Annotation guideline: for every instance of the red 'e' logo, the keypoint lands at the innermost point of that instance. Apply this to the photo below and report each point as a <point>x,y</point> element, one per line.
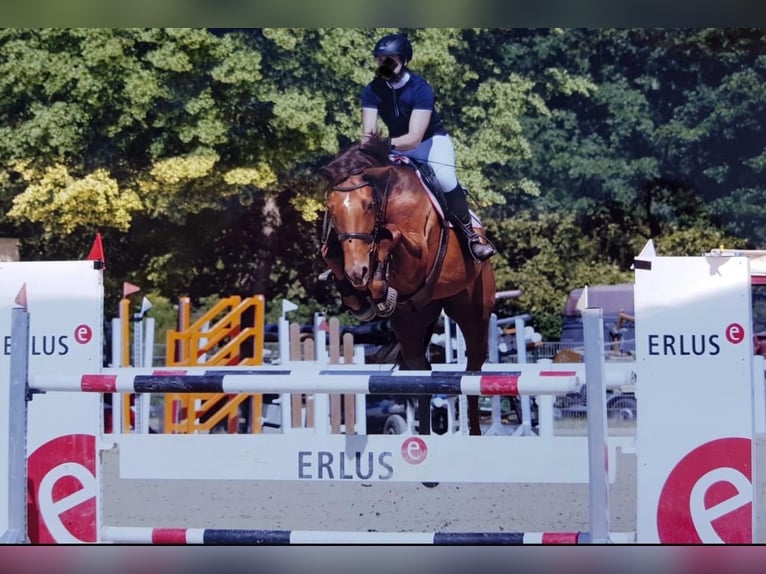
<point>62,499</point>
<point>414,450</point>
<point>735,333</point>
<point>83,334</point>
<point>708,496</point>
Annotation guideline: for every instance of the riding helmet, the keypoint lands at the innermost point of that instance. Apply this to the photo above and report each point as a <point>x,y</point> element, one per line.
<point>393,45</point>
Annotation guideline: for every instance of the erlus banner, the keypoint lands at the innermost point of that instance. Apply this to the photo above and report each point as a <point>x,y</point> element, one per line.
<point>694,389</point>
<point>65,303</point>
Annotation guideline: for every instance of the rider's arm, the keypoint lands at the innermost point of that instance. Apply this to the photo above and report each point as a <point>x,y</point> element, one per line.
<point>369,122</point>
<point>418,124</point>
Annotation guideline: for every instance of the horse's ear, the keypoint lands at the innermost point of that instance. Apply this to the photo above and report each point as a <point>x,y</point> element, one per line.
<point>325,173</point>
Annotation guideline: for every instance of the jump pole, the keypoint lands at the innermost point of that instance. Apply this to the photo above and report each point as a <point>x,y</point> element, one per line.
<point>510,383</point>
<point>616,374</point>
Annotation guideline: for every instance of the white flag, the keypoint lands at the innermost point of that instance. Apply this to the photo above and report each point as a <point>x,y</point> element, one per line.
<point>145,306</point>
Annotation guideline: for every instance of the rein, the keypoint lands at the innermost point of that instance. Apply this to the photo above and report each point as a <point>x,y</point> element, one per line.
<point>351,187</point>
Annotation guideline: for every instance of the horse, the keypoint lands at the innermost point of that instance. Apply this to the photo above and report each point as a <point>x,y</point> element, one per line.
<point>392,254</point>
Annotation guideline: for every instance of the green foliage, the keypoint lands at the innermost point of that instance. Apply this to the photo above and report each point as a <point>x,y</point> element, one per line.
<point>696,241</point>
<point>546,256</point>
<point>195,151</point>
<point>165,315</point>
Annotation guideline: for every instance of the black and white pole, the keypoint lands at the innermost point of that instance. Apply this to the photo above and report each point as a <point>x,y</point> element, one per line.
<point>508,383</point>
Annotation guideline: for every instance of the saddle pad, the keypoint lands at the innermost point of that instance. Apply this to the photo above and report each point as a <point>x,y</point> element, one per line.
<point>404,160</point>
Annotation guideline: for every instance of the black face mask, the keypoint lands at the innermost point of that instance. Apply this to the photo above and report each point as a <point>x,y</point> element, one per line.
<point>386,69</point>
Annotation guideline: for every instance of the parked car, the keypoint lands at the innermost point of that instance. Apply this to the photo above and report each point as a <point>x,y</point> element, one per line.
<point>617,304</point>
<point>619,405</point>
<point>388,414</point>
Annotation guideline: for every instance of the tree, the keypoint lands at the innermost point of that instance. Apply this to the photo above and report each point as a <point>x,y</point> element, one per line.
<point>195,151</point>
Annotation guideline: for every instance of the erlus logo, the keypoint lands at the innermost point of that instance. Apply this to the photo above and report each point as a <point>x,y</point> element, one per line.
<point>693,344</point>
<point>64,472</point>
<point>414,450</point>
<point>52,345</point>
<point>708,496</point>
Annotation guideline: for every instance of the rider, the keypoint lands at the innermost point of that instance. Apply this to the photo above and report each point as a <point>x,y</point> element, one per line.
<point>406,104</point>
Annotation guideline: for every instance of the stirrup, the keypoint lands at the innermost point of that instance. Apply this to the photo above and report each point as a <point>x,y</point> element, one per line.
<point>473,239</point>
<point>486,250</point>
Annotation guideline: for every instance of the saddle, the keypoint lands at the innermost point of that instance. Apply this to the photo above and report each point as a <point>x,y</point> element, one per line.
<point>435,192</point>
<point>428,178</point>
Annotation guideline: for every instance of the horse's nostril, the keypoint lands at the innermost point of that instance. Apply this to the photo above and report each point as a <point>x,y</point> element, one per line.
<point>358,275</point>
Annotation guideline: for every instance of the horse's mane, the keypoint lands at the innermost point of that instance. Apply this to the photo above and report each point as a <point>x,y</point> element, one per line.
<point>374,152</point>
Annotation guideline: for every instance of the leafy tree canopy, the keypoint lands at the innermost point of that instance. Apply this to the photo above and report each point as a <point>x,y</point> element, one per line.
<point>195,151</point>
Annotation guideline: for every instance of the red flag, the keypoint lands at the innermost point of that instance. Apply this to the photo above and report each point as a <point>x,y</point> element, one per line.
<point>129,288</point>
<point>21,297</point>
<point>97,250</point>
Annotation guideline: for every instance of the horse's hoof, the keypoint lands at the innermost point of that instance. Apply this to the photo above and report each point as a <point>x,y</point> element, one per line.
<point>430,484</point>
<point>387,307</point>
<point>366,313</point>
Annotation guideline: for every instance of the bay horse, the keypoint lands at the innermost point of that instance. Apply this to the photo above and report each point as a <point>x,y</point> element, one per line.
<point>392,253</point>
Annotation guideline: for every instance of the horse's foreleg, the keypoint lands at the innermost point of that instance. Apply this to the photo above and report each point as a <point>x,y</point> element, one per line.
<point>474,361</point>
<point>474,428</point>
<point>413,328</point>
<point>383,296</point>
<point>359,306</point>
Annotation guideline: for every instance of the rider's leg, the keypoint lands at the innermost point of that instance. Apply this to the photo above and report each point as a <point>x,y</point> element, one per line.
<point>458,214</point>
<point>441,157</point>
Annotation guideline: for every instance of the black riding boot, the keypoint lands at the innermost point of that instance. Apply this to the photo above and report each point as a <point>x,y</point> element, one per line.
<point>457,213</point>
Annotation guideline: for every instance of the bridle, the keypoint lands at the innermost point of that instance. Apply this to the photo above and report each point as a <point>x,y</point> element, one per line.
<point>380,269</point>
<point>380,210</point>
